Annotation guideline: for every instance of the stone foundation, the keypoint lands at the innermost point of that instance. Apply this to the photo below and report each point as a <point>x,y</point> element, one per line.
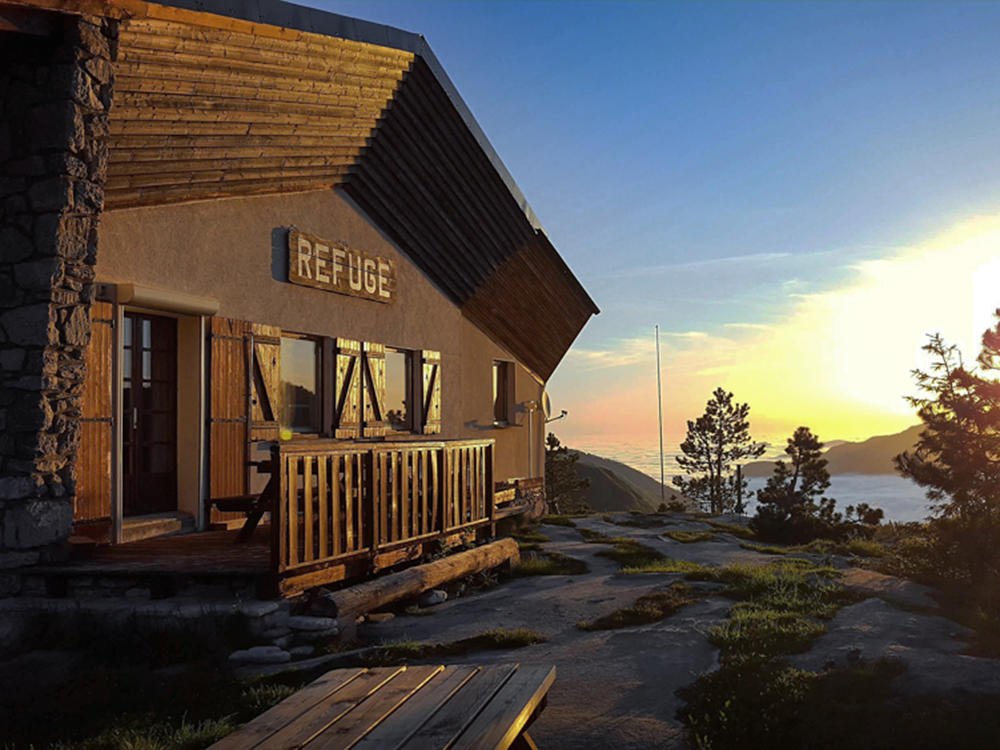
<point>55,93</point>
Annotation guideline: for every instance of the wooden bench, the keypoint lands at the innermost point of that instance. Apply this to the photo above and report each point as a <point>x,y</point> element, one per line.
<point>405,708</point>
<point>252,506</point>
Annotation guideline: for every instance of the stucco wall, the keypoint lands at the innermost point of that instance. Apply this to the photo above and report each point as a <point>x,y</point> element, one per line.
<point>234,251</point>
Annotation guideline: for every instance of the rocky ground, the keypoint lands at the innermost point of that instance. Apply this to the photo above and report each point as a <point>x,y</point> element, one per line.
<point>616,688</point>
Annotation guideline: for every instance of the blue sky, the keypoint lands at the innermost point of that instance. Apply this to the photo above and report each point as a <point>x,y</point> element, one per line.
<point>713,167</point>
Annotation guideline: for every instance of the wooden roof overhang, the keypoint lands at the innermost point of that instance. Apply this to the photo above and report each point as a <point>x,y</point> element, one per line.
<point>210,105</point>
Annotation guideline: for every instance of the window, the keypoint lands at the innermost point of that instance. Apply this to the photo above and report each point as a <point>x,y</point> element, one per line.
<point>301,404</point>
<point>502,392</point>
<point>399,390</point>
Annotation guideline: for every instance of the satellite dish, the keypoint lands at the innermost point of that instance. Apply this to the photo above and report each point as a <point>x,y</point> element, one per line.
<point>546,404</point>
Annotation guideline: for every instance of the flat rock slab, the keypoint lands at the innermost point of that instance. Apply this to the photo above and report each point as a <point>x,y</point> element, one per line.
<point>260,655</point>
<point>722,548</point>
<point>304,623</point>
<point>930,646</point>
<point>614,688</point>
<point>896,590</point>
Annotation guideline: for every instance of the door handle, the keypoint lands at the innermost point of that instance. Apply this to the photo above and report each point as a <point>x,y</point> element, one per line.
<point>135,417</point>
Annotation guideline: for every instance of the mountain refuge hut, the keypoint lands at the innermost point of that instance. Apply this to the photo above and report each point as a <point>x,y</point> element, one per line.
<point>263,278</point>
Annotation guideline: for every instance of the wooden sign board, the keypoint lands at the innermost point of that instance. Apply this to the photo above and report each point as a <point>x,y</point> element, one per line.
<point>333,267</point>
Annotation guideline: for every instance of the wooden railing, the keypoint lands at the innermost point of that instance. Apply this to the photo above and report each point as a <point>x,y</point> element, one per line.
<point>469,468</point>
<point>347,509</point>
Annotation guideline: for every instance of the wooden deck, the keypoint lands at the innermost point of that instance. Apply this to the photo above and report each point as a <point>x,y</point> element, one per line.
<point>339,512</point>
<point>405,708</point>
<point>207,553</point>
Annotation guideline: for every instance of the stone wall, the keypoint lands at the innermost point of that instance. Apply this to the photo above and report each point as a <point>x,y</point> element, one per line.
<point>55,93</point>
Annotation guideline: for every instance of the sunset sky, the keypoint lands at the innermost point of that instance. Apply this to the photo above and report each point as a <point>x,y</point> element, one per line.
<point>795,193</point>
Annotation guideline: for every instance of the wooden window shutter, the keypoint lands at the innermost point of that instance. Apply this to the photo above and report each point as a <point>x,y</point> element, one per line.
<point>265,384</point>
<point>374,362</point>
<point>228,406</point>
<point>431,394</point>
<point>347,389</point>
<point>92,502</point>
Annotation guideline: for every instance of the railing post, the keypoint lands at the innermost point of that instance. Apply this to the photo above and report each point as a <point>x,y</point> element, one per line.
<point>491,498</point>
<point>277,512</point>
<point>368,506</point>
<point>443,499</point>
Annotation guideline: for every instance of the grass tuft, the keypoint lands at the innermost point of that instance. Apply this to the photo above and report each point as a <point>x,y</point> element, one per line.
<point>630,554</point>
<point>741,532</point>
<point>688,537</point>
<point>554,564</point>
<point>558,521</point>
<point>141,735</point>
<point>594,537</point>
<point>765,631</point>
<point>865,548</point>
<point>497,639</point>
<point>856,547</point>
<point>648,608</point>
<point>626,552</point>
<point>415,610</point>
<point>666,565</point>
<point>531,535</point>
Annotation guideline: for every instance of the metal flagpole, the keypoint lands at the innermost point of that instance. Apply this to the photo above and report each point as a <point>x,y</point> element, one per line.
<point>659,401</point>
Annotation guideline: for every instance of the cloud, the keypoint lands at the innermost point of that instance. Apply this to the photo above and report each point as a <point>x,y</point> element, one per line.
<point>688,335</point>
<point>697,264</point>
<point>623,353</point>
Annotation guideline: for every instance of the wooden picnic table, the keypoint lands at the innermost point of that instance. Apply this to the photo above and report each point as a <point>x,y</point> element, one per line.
<point>405,708</point>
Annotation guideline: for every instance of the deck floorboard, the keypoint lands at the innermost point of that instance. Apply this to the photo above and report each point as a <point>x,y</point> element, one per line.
<point>199,553</point>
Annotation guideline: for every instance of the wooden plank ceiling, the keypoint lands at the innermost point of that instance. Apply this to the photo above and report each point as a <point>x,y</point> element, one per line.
<point>206,109</point>
<point>203,112</point>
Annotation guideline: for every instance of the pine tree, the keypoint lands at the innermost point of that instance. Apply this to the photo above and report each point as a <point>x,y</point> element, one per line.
<point>791,507</point>
<point>957,458</point>
<point>716,443</point>
<point>562,484</point>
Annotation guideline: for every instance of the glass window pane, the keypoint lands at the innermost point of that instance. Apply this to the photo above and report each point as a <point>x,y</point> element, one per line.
<point>300,403</point>
<point>397,376</point>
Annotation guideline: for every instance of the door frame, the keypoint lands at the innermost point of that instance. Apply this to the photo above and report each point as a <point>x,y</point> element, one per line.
<point>130,297</point>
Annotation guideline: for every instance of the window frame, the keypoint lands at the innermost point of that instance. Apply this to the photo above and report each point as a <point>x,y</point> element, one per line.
<point>506,367</point>
<point>322,389</point>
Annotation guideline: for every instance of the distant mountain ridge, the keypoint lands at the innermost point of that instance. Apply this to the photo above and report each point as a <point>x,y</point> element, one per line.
<point>872,456</point>
<point>616,487</point>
